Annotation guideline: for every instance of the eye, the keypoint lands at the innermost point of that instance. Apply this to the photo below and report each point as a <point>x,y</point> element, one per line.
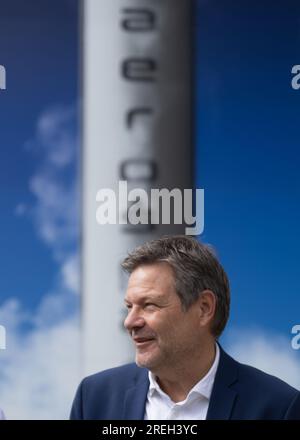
<point>149,306</point>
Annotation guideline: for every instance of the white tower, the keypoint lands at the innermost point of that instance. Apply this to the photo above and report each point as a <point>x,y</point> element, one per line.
<point>136,127</point>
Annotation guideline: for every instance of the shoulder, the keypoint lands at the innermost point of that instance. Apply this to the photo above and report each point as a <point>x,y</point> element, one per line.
<point>265,383</point>
<point>127,370</point>
<point>272,397</point>
<point>257,381</point>
<point>102,395</point>
<point>114,376</point>
<point>259,395</point>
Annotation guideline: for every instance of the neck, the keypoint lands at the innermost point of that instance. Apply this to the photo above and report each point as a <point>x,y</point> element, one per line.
<point>178,381</point>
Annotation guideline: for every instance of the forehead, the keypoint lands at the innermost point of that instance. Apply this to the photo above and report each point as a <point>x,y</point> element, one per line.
<point>151,279</point>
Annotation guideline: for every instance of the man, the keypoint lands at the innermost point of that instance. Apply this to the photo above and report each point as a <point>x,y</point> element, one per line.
<point>178,304</point>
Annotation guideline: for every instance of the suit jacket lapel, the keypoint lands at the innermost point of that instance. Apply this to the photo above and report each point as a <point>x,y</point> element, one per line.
<point>135,398</point>
<point>221,401</point>
<point>223,397</point>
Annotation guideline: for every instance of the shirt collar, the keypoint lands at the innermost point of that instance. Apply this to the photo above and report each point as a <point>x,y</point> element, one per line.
<point>203,387</point>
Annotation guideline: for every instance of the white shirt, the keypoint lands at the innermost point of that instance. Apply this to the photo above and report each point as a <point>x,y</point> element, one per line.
<point>159,406</point>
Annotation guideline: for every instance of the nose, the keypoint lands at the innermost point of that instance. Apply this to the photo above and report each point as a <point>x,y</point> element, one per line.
<point>134,320</point>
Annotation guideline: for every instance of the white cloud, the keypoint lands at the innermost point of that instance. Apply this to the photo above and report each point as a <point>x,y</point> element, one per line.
<point>70,273</point>
<point>12,315</point>
<point>55,183</point>
<point>55,137</point>
<point>56,213</point>
<point>269,352</point>
<point>39,370</point>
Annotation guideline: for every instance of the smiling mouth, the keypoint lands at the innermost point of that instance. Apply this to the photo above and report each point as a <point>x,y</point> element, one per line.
<point>143,342</point>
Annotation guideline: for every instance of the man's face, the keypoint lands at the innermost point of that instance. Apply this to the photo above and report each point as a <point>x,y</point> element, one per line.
<point>164,335</point>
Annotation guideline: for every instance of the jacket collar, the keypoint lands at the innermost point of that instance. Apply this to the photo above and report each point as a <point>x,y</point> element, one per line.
<point>223,396</point>
<point>136,396</point>
<point>221,400</point>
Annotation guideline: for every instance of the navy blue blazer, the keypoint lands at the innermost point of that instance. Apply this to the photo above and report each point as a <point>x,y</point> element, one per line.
<point>239,392</point>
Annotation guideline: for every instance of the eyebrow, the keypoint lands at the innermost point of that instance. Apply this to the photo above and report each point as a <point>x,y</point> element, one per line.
<point>145,298</point>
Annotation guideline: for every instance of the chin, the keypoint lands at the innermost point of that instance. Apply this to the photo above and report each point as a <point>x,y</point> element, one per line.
<point>145,362</point>
<point>141,362</point>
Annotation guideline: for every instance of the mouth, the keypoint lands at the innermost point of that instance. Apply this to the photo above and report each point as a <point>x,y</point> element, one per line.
<point>143,342</point>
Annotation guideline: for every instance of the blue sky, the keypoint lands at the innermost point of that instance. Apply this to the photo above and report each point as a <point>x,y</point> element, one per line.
<point>248,153</point>
<point>39,49</point>
<point>39,212</point>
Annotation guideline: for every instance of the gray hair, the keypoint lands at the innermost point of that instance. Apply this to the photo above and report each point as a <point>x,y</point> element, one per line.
<point>195,269</point>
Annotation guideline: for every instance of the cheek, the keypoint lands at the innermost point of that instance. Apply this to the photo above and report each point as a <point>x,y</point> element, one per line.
<point>169,327</point>
<point>169,330</point>
<point>182,329</point>
<point>159,324</point>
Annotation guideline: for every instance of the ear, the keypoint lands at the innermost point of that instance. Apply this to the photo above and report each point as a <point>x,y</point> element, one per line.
<point>207,303</point>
